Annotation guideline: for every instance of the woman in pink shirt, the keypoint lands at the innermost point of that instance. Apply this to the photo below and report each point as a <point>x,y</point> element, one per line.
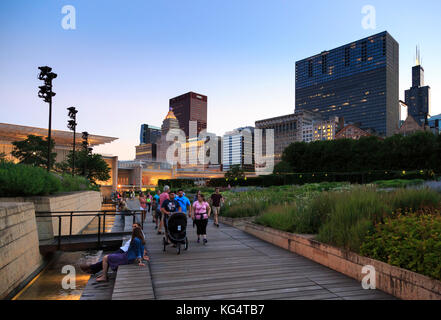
<point>143,205</point>
<point>201,211</point>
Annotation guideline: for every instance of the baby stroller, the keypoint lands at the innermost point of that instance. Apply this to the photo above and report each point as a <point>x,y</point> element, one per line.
<point>177,231</point>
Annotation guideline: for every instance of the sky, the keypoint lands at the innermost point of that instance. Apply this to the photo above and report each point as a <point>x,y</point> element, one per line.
<point>125,59</point>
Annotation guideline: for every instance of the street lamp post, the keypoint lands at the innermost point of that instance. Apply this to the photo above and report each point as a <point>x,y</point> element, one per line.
<point>72,125</point>
<point>46,94</point>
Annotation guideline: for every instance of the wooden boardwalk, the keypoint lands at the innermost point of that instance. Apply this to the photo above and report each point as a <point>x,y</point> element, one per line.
<point>237,266</point>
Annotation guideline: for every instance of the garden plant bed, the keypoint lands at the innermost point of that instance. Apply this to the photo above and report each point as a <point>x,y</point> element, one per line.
<point>396,281</point>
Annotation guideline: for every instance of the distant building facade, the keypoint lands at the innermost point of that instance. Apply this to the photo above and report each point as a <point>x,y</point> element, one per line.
<point>149,134</point>
<point>434,124</point>
<point>325,130</point>
<point>146,151</point>
<point>238,149</point>
<point>411,126</point>
<point>170,124</point>
<point>351,131</point>
<point>357,81</point>
<point>302,126</point>
<point>417,98</point>
<point>190,107</point>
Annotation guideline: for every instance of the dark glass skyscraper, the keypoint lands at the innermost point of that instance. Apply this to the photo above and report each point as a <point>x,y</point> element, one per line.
<point>417,98</point>
<point>149,134</point>
<point>357,81</point>
<point>190,107</point>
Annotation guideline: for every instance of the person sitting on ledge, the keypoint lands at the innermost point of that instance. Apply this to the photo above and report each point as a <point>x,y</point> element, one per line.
<point>133,255</point>
<point>97,267</point>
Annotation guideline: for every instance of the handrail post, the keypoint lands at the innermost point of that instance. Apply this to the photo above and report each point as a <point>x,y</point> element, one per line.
<point>99,230</point>
<point>104,222</point>
<point>70,228</point>
<point>134,217</point>
<point>59,232</point>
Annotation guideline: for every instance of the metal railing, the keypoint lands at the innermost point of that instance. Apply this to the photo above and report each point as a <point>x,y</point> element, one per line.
<point>97,214</point>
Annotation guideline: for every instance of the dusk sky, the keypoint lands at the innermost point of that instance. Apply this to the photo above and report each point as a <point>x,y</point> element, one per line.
<point>126,59</point>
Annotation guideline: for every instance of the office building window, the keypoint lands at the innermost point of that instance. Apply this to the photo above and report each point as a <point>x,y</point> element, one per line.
<point>324,63</point>
<point>310,71</point>
<point>384,46</point>
<point>347,56</point>
<point>364,51</point>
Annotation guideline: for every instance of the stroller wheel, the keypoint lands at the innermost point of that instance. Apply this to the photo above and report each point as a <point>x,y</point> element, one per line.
<point>186,244</point>
<point>178,248</point>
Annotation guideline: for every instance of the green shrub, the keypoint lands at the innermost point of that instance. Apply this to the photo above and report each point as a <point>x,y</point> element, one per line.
<point>281,217</point>
<point>76,183</point>
<point>413,198</point>
<point>411,241</point>
<point>398,183</point>
<point>24,180</point>
<point>351,216</point>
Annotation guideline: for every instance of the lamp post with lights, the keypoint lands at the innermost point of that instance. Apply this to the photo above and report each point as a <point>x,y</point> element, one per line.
<point>46,94</point>
<point>72,125</point>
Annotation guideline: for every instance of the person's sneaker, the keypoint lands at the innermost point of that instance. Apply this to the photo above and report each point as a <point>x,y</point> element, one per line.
<point>156,227</point>
<point>199,240</point>
<point>205,241</point>
<point>159,232</point>
<point>217,225</point>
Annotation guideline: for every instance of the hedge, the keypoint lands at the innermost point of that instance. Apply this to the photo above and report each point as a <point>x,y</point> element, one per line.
<point>20,180</point>
<point>175,183</point>
<point>304,178</point>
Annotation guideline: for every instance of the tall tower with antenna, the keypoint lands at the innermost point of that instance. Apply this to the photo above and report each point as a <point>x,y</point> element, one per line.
<point>417,97</point>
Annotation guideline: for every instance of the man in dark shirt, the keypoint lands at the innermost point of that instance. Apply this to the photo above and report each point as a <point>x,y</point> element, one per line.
<point>168,207</point>
<point>216,199</point>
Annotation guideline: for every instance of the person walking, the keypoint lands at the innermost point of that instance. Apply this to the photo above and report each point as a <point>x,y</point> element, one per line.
<point>168,207</point>
<point>201,210</point>
<point>163,196</point>
<point>216,199</point>
<point>149,199</point>
<point>143,205</point>
<point>184,202</point>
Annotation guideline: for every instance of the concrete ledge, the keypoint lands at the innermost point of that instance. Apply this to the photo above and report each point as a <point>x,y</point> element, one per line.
<point>238,223</point>
<point>396,281</point>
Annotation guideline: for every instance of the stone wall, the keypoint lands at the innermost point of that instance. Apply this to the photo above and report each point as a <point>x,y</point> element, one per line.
<point>73,201</point>
<point>19,249</point>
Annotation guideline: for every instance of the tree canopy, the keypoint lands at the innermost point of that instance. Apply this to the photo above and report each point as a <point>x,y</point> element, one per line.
<point>33,151</point>
<point>91,166</point>
<point>235,172</point>
<point>421,150</point>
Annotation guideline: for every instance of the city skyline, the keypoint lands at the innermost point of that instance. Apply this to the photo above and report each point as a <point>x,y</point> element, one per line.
<point>246,66</point>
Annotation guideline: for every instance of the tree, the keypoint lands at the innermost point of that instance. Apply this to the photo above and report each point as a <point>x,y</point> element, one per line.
<point>235,172</point>
<point>33,151</point>
<point>92,166</point>
<point>282,167</point>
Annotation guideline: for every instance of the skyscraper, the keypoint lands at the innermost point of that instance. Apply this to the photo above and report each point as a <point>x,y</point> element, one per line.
<point>190,107</point>
<point>417,98</point>
<point>357,81</point>
<point>149,134</point>
<point>170,123</point>
<point>238,149</point>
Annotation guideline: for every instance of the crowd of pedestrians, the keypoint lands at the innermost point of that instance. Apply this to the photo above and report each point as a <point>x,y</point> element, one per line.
<point>161,206</point>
